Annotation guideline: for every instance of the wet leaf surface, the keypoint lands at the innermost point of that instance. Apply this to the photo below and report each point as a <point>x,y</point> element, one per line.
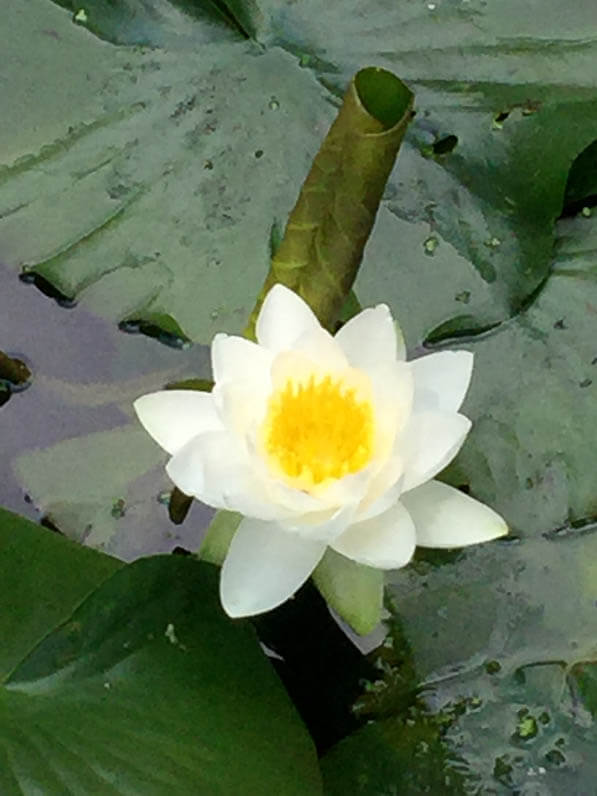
<point>510,625</point>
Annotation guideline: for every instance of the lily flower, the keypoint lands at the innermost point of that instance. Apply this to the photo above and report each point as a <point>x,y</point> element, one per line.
<point>321,440</point>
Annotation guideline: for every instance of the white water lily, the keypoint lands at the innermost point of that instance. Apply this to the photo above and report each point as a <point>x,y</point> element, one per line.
<point>321,440</point>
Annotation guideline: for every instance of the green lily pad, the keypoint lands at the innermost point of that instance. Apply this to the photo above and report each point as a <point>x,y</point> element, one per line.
<point>532,443</point>
<point>145,685</point>
<point>475,195</point>
<point>505,102</point>
<point>155,24</point>
<point>153,185</point>
<point>510,625</point>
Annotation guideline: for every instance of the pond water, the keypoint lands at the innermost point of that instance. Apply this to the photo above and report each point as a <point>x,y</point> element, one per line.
<point>72,451</point>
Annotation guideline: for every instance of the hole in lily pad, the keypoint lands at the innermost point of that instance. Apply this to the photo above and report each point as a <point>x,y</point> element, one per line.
<point>445,145</point>
<point>30,277</point>
<point>499,119</point>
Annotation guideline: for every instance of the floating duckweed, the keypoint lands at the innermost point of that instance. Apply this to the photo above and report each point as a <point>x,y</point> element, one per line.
<point>273,104</point>
<point>430,245</point>
<point>586,212</point>
<point>81,16</point>
<point>527,728</point>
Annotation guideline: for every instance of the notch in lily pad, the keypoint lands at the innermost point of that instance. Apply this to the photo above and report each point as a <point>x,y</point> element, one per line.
<point>445,144</point>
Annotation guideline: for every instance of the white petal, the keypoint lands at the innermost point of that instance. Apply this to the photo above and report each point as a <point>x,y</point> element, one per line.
<point>299,368</point>
<point>324,525</point>
<point>173,417</point>
<point>350,489</point>
<point>216,469</point>
<point>320,347</point>
<point>383,503</point>
<point>264,567</point>
<point>383,490</point>
<point>242,404</point>
<point>369,338</point>
<point>441,380</point>
<point>283,318</point>
<point>429,443</point>
<point>237,359</point>
<point>393,389</point>
<point>400,343</point>
<point>386,541</point>
<point>445,517</point>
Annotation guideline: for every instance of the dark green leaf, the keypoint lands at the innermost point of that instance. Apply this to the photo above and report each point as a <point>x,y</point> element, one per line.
<point>146,687</point>
<point>44,577</point>
<point>391,757</point>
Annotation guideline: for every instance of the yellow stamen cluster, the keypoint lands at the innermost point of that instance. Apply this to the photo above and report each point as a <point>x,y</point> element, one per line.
<point>318,430</point>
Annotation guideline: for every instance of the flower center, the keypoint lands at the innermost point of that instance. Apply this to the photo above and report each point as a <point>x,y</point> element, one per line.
<point>317,430</point>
